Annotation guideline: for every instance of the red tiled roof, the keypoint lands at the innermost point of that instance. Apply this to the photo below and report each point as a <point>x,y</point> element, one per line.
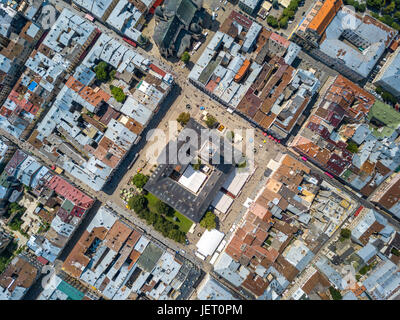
<point>158,70</point>
<point>63,188</point>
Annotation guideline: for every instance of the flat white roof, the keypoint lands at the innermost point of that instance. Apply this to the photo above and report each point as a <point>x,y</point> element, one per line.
<point>209,242</point>
<point>222,202</point>
<point>192,179</point>
<point>235,182</point>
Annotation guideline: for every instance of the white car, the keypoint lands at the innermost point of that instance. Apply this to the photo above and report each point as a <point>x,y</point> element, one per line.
<point>217,8</point>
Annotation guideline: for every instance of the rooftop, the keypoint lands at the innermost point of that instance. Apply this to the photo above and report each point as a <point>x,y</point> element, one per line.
<point>366,40</point>
<point>171,190</point>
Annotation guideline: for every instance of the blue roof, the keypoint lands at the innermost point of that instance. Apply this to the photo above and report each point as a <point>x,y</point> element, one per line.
<point>367,252</point>
<point>32,86</point>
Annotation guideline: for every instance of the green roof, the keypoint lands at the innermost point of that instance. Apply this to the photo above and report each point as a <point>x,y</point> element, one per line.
<point>178,12</point>
<point>148,259</point>
<point>70,291</point>
<point>3,180</point>
<point>165,32</point>
<point>207,72</point>
<point>387,115</point>
<point>186,11</point>
<point>68,206</point>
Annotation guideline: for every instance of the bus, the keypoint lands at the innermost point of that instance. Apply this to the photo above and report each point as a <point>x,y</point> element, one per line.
<point>89,17</point>
<point>197,45</point>
<point>329,175</point>
<point>132,43</point>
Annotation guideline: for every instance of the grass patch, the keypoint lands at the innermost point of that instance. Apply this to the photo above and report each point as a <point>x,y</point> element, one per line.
<point>386,115</point>
<point>182,222</point>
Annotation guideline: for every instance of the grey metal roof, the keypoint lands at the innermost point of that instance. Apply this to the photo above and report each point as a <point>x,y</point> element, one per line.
<point>363,61</point>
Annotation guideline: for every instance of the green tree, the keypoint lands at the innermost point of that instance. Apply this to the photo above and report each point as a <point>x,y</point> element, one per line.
<point>208,221</point>
<point>352,147</point>
<point>272,21</point>
<point>151,218</point>
<point>112,74</point>
<point>177,235</point>
<point>117,93</point>
<point>365,269</point>
<point>283,22</point>
<point>137,203</point>
<point>376,4</point>
<point>395,252</point>
<point>349,2</point>
<point>387,19</point>
<point>345,233</point>
<point>210,121</point>
<point>242,164</point>
<point>139,180</point>
<point>362,7</point>
<point>287,13</point>
<point>185,57</point>
<point>161,207</point>
<point>143,40</point>
<point>336,295</point>
<point>183,118</point>
<point>101,71</point>
<point>388,97</point>
<point>275,4</point>
<point>196,165</point>
<point>390,8</point>
<point>293,5</point>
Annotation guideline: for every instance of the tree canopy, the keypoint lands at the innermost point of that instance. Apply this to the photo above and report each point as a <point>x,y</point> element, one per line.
<point>336,295</point>
<point>101,71</point>
<point>210,121</point>
<point>352,147</point>
<point>345,233</point>
<point>183,118</point>
<point>185,57</point>
<point>272,21</point>
<point>117,93</point>
<point>208,221</point>
<point>137,203</point>
<point>197,164</point>
<point>162,208</point>
<point>139,180</point>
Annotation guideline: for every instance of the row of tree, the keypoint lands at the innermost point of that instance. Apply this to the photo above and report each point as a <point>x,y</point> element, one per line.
<point>387,12</point>
<point>104,72</point>
<point>287,14</point>
<point>156,218</point>
<point>386,96</point>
